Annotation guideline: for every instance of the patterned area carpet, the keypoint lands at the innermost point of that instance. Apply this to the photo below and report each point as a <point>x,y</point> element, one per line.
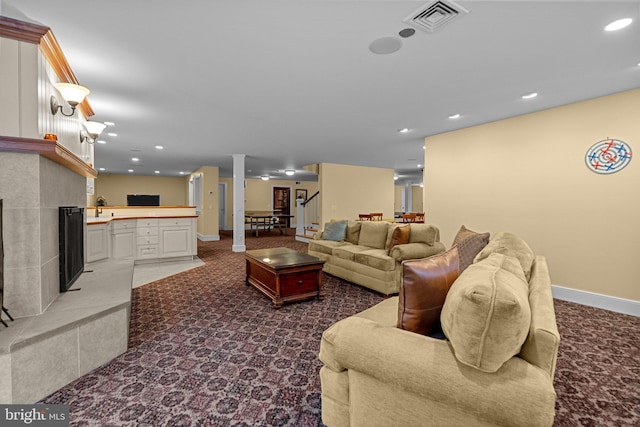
<point>207,350</point>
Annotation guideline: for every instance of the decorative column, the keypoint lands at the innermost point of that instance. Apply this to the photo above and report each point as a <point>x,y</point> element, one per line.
<point>238,203</point>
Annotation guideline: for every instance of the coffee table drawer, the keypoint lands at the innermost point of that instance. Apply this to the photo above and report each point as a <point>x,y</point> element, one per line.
<point>298,283</point>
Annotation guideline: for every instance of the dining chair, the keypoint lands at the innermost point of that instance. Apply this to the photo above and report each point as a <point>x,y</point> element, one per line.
<point>376,216</point>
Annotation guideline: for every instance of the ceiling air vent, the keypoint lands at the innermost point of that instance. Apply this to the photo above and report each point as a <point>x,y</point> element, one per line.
<point>434,15</point>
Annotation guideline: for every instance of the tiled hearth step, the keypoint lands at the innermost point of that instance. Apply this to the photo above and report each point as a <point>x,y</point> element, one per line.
<point>80,331</point>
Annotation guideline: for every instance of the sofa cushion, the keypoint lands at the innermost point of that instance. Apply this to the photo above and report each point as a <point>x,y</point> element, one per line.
<point>373,234</point>
<point>335,230</point>
<point>469,243</point>
<point>509,244</point>
<point>425,283</point>
<point>348,251</point>
<point>399,236</point>
<point>324,246</point>
<point>376,258</point>
<point>424,233</point>
<point>486,315</point>
<point>353,232</point>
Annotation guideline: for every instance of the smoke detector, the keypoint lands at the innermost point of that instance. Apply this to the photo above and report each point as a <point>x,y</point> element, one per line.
<point>434,15</point>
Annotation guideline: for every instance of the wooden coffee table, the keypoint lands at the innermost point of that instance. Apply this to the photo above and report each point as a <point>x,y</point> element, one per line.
<point>284,275</point>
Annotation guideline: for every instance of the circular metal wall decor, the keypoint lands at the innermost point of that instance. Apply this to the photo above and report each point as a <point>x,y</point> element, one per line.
<point>608,156</point>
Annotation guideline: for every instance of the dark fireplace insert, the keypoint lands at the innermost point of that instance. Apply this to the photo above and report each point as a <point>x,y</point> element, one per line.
<point>71,238</point>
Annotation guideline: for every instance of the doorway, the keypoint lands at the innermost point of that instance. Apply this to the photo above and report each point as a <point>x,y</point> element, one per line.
<point>222,205</point>
<point>282,202</point>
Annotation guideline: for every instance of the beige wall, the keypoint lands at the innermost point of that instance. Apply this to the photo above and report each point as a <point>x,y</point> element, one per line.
<point>528,175</point>
<point>347,191</point>
<point>208,219</point>
<point>115,188</point>
<point>416,199</point>
<point>397,198</point>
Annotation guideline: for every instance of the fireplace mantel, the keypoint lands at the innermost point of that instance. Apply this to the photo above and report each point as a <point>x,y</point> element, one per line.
<point>50,149</point>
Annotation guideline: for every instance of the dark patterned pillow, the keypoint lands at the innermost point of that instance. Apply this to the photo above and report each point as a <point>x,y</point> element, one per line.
<point>469,244</point>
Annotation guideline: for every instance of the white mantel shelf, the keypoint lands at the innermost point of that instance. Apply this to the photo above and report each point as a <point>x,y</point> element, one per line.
<point>50,149</point>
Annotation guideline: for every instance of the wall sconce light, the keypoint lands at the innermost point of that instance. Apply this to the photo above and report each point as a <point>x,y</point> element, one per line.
<point>73,94</point>
<point>92,131</point>
<point>289,172</point>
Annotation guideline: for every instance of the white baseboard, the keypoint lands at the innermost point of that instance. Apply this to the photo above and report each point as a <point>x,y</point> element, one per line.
<point>619,305</point>
<point>208,238</point>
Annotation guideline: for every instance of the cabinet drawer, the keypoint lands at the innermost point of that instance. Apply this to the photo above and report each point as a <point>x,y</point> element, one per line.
<point>297,283</point>
<point>147,231</point>
<point>168,222</point>
<point>148,251</point>
<point>147,240</point>
<point>119,226</point>
<point>148,222</point>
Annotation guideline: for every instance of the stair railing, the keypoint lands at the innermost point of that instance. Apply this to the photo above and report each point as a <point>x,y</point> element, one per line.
<point>307,213</point>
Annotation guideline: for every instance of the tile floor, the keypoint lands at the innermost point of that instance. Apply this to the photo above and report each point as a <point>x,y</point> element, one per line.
<point>147,273</point>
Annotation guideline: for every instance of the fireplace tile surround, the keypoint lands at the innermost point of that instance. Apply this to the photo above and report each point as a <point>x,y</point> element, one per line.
<point>55,337</point>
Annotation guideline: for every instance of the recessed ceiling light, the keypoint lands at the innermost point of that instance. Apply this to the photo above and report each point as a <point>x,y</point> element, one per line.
<point>530,95</point>
<point>424,147</point>
<point>419,165</point>
<point>135,159</point>
<point>264,178</point>
<point>619,24</point>
<point>109,123</point>
<point>159,147</point>
<point>181,173</point>
<point>101,141</point>
<point>100,169</point>
<point>157,172</point>
<point>454,116</point>
<point>130,170</point>
<point>395,178</point>
<point>403,130</point>
<point>112,134</point>
<point>289,172</point>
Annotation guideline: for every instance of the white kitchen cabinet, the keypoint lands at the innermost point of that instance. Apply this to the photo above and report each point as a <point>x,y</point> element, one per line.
<point>177,237</point>
<point>123,239</point>
<point>97,242</point>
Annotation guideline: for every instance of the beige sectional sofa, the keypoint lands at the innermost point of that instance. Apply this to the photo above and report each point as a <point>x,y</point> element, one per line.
<point>376,374</point>
<point>363,256</point>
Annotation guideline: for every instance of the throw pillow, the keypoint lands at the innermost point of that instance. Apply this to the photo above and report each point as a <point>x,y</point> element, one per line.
<point>373,234</point>
<point>469,243</point>
<point>425,283</point>
<point>486,315</point>
<point>335,230</point>
<point>400,236</point>
<point>509,244</point>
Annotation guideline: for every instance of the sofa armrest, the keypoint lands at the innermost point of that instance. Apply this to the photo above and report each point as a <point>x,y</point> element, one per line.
<point>415,251</point>
<point>514,395</point>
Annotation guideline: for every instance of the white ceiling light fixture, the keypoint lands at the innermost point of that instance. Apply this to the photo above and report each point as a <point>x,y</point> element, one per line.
<point>454,116</point>
<point>159,147</point>
<point>264,178</point>
<point>109,123</point>
<point>135,159</point>
<point>530,95</point>
<point>72,93</point>
<point>181,173</point>
<point>618,24</point>
<point>156,171</point>
<point>101,169</point>
<point>289,172</point>
<point>112,134</point>
<point>404,130</point>
<point>385,45</point>
<point>395,178</point>
<point>130,170</point>
<point>101,141</point>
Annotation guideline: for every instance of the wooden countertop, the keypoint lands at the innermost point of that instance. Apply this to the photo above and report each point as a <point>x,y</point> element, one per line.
<point>107,219</point>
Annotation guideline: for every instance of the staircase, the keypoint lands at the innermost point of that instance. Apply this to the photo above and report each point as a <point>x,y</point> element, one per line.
<point>307,218</point>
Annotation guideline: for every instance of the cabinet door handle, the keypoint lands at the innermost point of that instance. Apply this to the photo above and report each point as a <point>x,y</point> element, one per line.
<point>299,282</point>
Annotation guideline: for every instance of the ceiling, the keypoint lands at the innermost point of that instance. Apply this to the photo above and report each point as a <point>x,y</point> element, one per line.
<point>291,83</point>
